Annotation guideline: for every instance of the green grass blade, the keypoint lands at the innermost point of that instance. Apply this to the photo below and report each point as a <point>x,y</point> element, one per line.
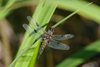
<point>82,55</point>
<point>70,15</point>
<point>90,12</point>
<point>42,15</point>
<point>6,10</point>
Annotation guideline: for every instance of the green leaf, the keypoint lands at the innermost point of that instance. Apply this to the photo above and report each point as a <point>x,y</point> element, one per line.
<point>82,55</point>
<point>90,12</point>
<point>4,12</point>
<point>27,54</point>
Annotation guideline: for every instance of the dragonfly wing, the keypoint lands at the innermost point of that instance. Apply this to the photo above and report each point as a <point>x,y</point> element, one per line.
<point>57,45</point>
<point>32,20</point>
<point>63,37</point>
<point>39,28</point>
<point>27,28</point>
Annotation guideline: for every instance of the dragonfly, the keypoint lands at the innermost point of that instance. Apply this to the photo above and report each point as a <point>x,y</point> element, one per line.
<point>48,39</point>
<point>53,41</point>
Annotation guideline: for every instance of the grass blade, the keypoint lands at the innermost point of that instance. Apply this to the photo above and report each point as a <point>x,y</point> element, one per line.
<point>42,15</point>
<point>82,55</point>
<point>90,12</point>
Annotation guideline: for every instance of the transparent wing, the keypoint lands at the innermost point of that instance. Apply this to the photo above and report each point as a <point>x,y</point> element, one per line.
<point>57,45</point>
<point>32,20</point>
<point>30,29</point>
<point>36,24</point>
<point>36,30</point>
<point>63,37</point>
<point>27,28</point>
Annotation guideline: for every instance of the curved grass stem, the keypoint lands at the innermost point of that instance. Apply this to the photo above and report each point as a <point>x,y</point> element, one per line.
<point>73,13</point>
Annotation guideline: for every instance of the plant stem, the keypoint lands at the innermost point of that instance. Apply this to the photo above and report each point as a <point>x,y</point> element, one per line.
<point>68,16</point>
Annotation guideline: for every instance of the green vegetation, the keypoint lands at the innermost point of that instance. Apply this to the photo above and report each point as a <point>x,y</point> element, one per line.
<point>28,51</point>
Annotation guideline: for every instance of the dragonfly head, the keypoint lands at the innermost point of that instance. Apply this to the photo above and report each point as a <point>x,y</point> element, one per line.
<point>51,31</point>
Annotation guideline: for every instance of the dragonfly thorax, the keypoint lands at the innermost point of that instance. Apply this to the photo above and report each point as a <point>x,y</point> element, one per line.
<point>47,36</point>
